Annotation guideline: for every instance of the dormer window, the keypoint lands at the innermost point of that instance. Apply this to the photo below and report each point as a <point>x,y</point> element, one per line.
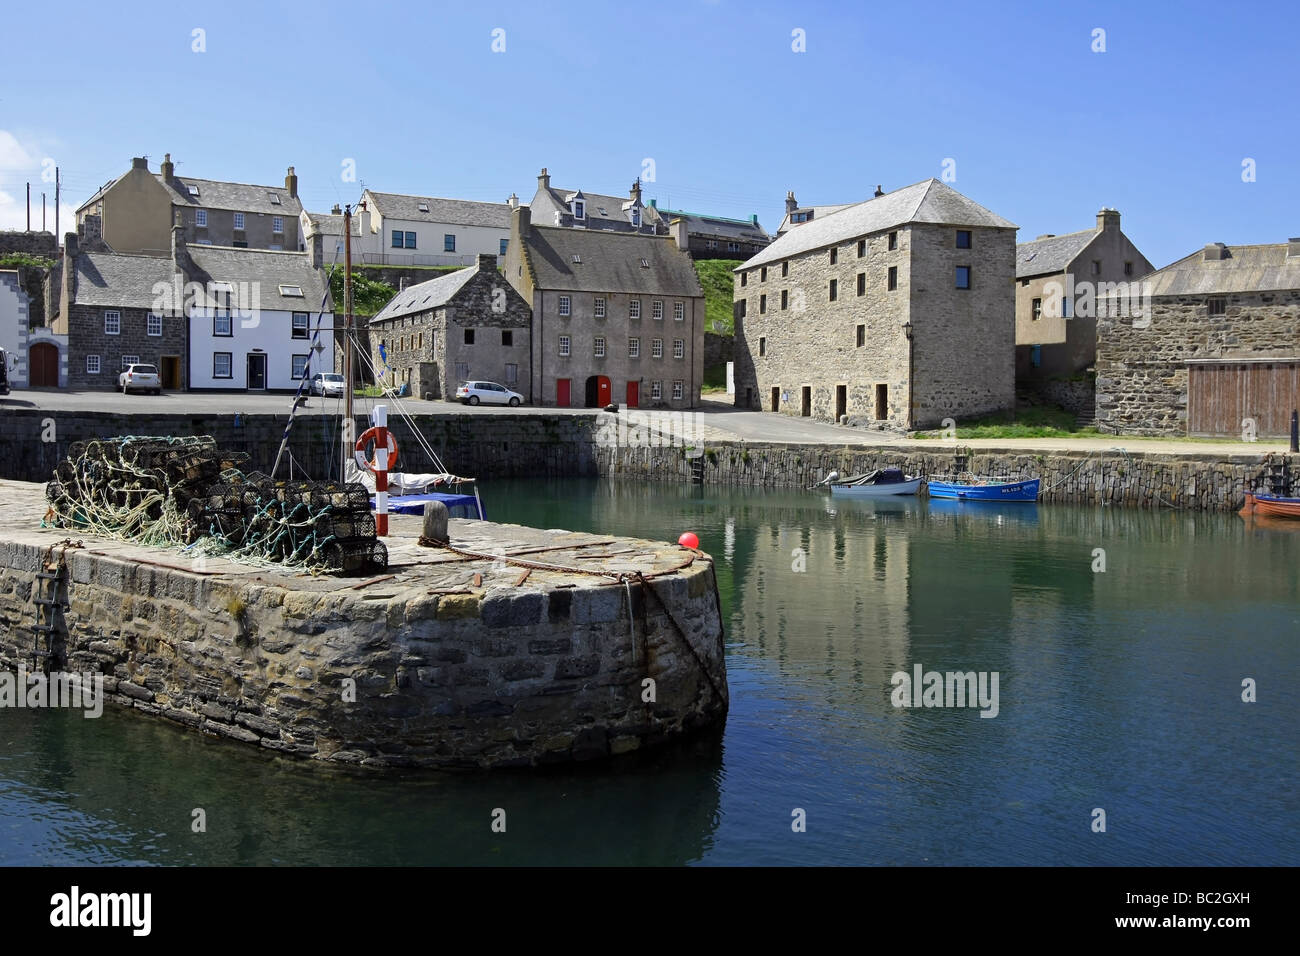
<point>636,217</point>
<point>424,207</point>
<point>275,198</point>
<point>579,209</point>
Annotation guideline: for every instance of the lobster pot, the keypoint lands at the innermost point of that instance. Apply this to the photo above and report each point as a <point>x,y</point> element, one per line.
<point>341,497</point>
<point>346,526</point>
<point>356,556</point>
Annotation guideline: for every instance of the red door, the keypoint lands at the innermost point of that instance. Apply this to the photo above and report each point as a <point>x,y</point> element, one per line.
<point>562,392</point>
<point>604,393</point>
<point>633,394</point>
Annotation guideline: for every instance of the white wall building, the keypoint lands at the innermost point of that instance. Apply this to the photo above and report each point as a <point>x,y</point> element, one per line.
<point>22,344</point>
<point>428,231</point>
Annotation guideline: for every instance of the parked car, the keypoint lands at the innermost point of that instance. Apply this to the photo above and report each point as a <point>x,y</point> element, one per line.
<point>140,378</point>
<point>4,373</point>
<point>490,393</point>
<point>327,383</point>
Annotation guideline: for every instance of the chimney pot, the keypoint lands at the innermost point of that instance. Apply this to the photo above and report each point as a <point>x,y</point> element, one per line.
<point>790,204</point>
<point>879,192</point>
<point>544,179</point>
<point>337,210</point>
<point>1108,218</point>
<point>167,169</point>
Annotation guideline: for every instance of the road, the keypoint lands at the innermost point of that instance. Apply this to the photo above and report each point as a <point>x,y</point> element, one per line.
<point>712,421</point>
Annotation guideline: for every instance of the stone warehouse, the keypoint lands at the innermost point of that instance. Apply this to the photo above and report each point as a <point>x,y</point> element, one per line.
<point>469,324</point>
<point>891,313</point>
<point>618,317</point>
<point>1213,351</point>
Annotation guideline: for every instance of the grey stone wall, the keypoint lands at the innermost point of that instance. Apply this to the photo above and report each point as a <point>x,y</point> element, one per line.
<point>718,349</point>
<point>33,243</point>
<point>86,336</point>
<point>1141,365</point>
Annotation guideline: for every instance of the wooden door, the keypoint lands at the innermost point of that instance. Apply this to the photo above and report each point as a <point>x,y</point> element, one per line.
<point>633,394</point>
<point>562,392</point>
<point>43,365</point>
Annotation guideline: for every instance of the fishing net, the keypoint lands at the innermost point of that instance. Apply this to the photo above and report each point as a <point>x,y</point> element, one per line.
<point>173,492</point>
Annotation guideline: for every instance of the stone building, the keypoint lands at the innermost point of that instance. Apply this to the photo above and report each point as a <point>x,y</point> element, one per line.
<point>575,209</point>
<point>1057,279</point>
<point>713,237</point>
<point>1213,348</point>
<point>891,313</point>
<point>135,212</point>
<point>618,316</point>
<point>469,324</point>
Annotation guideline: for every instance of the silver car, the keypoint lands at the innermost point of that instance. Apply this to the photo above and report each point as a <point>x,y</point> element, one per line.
<point>489,393</point>
<point>327,383</point>
<point>140,378</point>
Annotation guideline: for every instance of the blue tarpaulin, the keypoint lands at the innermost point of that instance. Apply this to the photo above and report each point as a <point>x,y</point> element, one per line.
<point>458,506</point>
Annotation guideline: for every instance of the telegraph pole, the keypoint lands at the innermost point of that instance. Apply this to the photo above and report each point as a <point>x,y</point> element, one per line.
<point>57,237</point>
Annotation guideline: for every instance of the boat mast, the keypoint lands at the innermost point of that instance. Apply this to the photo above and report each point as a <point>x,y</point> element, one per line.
<point>349,426</point>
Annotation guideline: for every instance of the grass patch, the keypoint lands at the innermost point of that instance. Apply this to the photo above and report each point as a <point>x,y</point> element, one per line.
<point>719,292</point>
<point>1034,421</point>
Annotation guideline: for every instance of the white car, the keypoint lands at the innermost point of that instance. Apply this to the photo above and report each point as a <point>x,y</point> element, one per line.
<point>327,383</point>
<point>489,393</point>
<point>140,378</point>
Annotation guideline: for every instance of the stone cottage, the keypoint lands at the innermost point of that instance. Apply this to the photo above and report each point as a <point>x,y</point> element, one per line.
<point>1212,348</point>
<point>468,324</point>
<point>618,316</point>
<point>891,312</point>
<point>576,209</point>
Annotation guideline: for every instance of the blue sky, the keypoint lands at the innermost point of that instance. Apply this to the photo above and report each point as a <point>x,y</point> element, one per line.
<point>1043,130</point>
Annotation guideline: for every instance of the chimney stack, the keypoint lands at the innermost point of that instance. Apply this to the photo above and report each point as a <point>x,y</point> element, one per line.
<point>337,210</point>
<point>70,246</point>
<point>544,179</point>
<point>677,229</point>
<point>1215,251</point>
<point>521,223</point>
<point>635,194</point>
<point>317,250</point>
<point>140,162</point>
<point>291,183</point>
<point>1108,218</point>
<point>487,262</point>
<point>180,254</point>
<point>167,169</point>
<point>790,204</point>
<point>879,192</point>
<point>513,201</point>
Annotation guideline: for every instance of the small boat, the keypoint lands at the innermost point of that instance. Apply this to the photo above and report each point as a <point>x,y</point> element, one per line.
<point>1271,506</point>
<point>875,484</point>
<point>986,489</point>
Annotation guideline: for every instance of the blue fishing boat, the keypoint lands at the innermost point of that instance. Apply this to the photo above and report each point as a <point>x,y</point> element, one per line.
<point>985,489</point>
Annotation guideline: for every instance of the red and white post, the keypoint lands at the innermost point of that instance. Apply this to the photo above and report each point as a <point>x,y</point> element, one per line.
<point>381,470</point>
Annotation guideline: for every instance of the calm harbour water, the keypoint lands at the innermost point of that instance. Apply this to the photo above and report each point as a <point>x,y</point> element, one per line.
<point>1118,690</point>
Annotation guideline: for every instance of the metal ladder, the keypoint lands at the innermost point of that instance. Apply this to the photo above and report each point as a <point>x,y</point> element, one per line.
<point>46,598</point>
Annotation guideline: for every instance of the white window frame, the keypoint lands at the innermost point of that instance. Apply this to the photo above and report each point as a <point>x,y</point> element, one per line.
<point>92,365</point>
<point>657,348</point>
<point>129,360</point>
<point>679,391</point>
<point>633,348</point>
<point>598,346</point>
<point>636,216</point>
<point>679,348</point>
<point>566,305</point>
<point>679,311</point>
<point>634,309</point>
<point>112,322</point>
<point>239,221</point>
<point>297,373</point>
<point>565,346</point>
<point>277,224</point>
<point>305,327</point>
<point>599,308</point>
<point>657,310</point>
<point>579,209</point>
<point>656,390</point>
<point>230,368</point>
<point>153,325</point>
<point>201,218</point>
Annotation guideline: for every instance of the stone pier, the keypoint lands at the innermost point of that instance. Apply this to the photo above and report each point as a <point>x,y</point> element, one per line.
<point>573,647</point>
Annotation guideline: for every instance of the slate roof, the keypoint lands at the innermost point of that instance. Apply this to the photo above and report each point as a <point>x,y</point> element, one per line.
<point>722,228</point>
<point>424,296</point>
<point>270,269</point>
<point>119,281</point>
<point>241,197</point>
<point>1262,268</point>
<point>328,224</point>
<point>1044,256</point>
<point>615,207</point>
<point>611,262</point>
<point>817,211</point>
<point>456,212</point>
<point>929,201</point>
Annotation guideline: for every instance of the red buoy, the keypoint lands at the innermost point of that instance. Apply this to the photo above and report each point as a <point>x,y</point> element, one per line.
<point>689,540</point>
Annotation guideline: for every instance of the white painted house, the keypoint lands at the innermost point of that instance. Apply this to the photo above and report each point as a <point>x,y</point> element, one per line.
<point>253,327</point>
<point>428,231</point>
<point>24,345</point>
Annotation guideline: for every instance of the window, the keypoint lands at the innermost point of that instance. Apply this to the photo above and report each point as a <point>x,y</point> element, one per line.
<point>963,238</point>
<point>469,336</point>
<point>963,277</point>
<point>397,238</point>
<point>291,291</point>
<point>221,324</point>
<point>634,309</point>
<point>448,242</point>
<point>274,199</point>
<point>239,220</point>
<point>636,216</point>
<point>505,244</point>
<point>893,241</point>
<point>299,366</point>
<point>507,338</point>
<point>1036,309</point>
<point>835,256</point>
<point>512,373</point>
<point>153,325</point>
<point>679,348</point>
<point>679,311</point>
<point>1128,268</point>
<point>1217,305</point>
<point>423,207</point>
<point>599,308</point>
<point>579,209</point>
<point>743,303</point>
<point>1096,267</point>
<point>800,216</point>
<point>192,190</point>
<point>410,240</point>
<point>462,371</point>
<point>762,345</point>
<point>657,348</point>
<point>862,248</point>
<point>129,360</point>
<point>835,284</point>
<point>785,299</point>
<point>762,304</point>
<point>645,263</point>
<point>300,320</point>
<point>677,391</point>
<point>657,309</point>
<point>762,274</point>
<point>598,347</point>
<point>564,345</point>
<point>92,364</point>
<point>785,269</point>
<point>862,335</point>
<point>744,279</point>
<point>564,305</point>
<point>277,224</point>
<point>201,217</point>
<point>633,348</point>
<point>862,283</point>
<point>656,390</point>
<point>733,247</point>
<point>112,323</point>
<point>711,244</point>
<point>893,278</point>
<point>221,365</point>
